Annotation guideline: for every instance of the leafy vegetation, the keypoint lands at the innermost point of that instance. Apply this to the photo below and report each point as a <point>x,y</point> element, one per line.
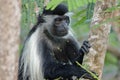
<point>29,15</point>
<point>72,4</point>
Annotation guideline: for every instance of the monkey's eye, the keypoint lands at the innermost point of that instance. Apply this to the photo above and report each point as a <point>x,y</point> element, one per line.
<point>58,20</point>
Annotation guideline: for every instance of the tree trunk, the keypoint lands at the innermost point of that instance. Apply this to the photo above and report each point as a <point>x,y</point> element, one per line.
<point>99,36</point>
<point>9,38</point>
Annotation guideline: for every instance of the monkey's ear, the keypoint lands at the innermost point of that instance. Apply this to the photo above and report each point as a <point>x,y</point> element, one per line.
<point>40,19</point>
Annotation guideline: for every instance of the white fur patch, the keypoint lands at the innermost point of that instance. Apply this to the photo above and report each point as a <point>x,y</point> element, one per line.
<point>32,58</point>
<point>74,77</point>
<point>69,14</point>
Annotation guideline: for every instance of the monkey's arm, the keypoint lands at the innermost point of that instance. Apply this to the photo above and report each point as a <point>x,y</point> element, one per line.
<point>53,69</point>
<point>74,52</point>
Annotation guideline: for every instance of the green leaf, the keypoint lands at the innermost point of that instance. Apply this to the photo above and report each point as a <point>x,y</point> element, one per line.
<point>55,4</point>
<point>82,11</point>
<point>69,5</point>
<point>81,21</point>
<point>111,9</point>
<point>85,1</point>
<point>87,70</point>
<point>73,4</point>
<point>26,5</point>
<point>94,1</point>
<point>76,2</point>
<point>80,2</point>
<point>52,4</point>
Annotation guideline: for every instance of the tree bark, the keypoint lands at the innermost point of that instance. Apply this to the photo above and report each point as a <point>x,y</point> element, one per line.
<point>99,36</point>
<point>9,38</point>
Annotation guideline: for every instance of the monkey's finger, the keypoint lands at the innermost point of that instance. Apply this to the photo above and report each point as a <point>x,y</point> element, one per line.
<point>86,41</point>
<point>84,49</point>
<point>87,44</point>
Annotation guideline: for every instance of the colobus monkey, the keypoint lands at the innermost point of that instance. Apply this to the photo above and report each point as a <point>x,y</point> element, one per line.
<point>51,51</point>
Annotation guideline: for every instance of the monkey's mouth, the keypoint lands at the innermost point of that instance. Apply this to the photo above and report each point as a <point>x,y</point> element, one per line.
<point>61,33</point>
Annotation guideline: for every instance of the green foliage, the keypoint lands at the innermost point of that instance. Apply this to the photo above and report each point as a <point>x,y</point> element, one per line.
<point>28,15</point>
<point>111,9</point>
<point>110,59</point>
<point>82,31</point>
<point>81,20</point>
<point>72,4</point>
<point>84,14</point>
<point>87,70</point>
<point>113,40</point>
<point>90,10</point>
<point>53,3</point>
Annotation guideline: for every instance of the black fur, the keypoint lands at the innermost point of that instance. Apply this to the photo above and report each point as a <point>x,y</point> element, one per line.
<point>57,65</point>
<point>59,10</point>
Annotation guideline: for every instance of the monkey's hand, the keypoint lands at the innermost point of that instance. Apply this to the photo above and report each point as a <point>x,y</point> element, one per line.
<point>85,47</point>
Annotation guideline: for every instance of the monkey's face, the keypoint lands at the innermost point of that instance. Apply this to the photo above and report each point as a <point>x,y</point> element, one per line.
<point>60,26</point>
<point>57,26</point>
